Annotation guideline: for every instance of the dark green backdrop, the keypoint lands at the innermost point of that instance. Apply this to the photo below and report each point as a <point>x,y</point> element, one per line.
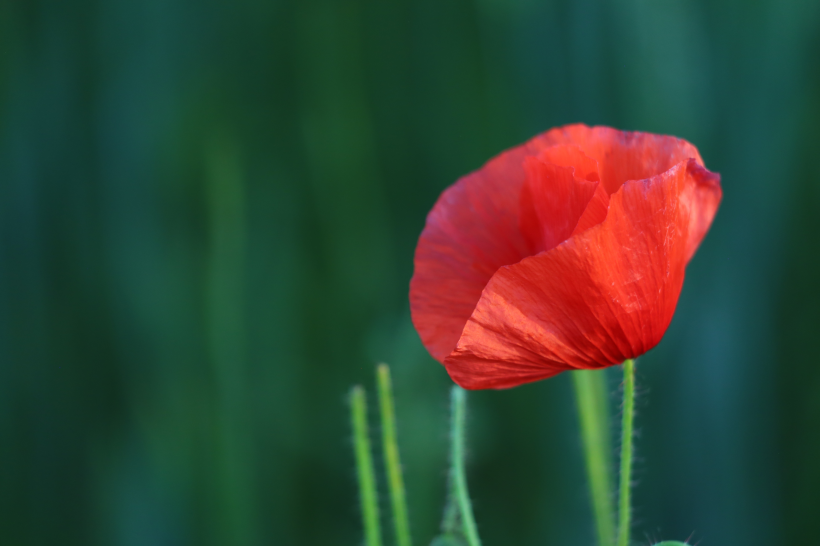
<point>207,219</point>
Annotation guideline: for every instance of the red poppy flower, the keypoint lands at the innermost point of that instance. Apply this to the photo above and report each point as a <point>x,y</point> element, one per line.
<point>567,252</point>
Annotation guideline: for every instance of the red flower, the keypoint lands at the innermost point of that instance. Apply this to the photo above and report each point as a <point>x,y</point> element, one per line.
<point>567,252</point>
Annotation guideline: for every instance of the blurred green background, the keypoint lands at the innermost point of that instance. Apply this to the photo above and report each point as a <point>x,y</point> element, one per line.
<point>208,212</point>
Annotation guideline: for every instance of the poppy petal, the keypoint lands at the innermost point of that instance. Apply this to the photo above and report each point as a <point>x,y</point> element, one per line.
<point>704,195</point>
<point>586,303</point>
<point>627,155</point>
<point>595,212</point>
<point>557,198</point>
<point>570,155</point>
<point>472,231</point>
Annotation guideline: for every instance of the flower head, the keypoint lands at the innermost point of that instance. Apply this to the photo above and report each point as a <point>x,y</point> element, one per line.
<point>566,252</point>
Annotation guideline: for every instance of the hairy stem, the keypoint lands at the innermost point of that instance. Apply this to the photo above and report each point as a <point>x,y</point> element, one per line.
<point>624,509</point>
<point>391,458</point>
<point>364,468</point>
<point>457,473</point>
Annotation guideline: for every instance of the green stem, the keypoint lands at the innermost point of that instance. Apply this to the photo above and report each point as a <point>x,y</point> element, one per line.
<point>450,524</point>
<point>391,458</point>
<point>591,397</point>
<point>624,510</point>
<point>364,467</point>
<point>457,472</point>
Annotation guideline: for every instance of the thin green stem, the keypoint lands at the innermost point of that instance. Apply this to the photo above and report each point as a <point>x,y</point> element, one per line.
<point>624,510</point>
<point>364,467</point>
<point>591,396</point>
<point>457,472</point>
<point>450,522</point>
<point>392,463</point>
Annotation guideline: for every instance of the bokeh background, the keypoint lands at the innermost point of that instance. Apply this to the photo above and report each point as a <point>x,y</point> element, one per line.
<point>208,212</point>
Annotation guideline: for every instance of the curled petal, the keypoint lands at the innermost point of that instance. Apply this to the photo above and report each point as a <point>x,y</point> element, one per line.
<point>625,155</point>
<point>602,296</point>
<point>703,195</point>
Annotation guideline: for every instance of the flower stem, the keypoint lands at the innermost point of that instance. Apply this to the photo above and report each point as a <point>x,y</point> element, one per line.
<point>364,467</point>
<point>624,510</point>
<point>391,458</point>
<point>458,476</point>
<point>591,396</point>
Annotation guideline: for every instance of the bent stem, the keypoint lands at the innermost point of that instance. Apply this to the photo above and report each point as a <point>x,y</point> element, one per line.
<point>459,503</point>
<point>624,510</point>
<point>391,458</point>
<point>364,467</point>
<point>591,396</point>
